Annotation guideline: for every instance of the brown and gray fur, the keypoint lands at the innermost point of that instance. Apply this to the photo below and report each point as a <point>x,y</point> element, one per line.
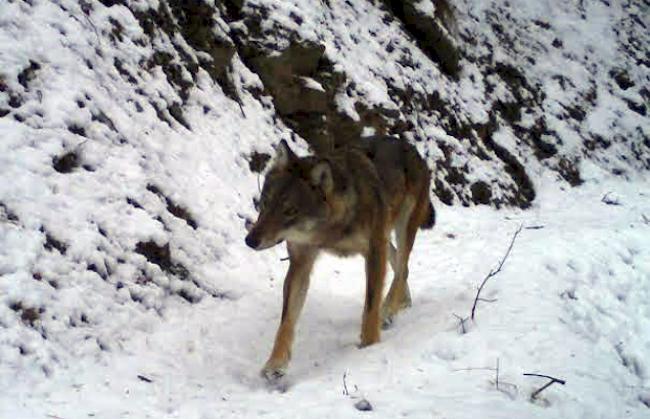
<point>347,202</point>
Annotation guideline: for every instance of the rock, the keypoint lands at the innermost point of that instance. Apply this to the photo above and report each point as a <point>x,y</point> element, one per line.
<point>430,32</point>
<point>481,193</point>
<point>622,78</point>
<point>363,405</point>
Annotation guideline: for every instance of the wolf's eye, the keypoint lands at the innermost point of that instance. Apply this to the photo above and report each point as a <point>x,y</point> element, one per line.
<point>290,211</point>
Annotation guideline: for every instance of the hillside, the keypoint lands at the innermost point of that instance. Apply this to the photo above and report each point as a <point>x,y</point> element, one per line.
<point>135,134</point>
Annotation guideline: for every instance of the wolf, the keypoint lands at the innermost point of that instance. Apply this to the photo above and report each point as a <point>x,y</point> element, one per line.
<point>346,202</point>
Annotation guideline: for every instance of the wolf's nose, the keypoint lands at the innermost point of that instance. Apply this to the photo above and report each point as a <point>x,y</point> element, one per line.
<point>252,241</point>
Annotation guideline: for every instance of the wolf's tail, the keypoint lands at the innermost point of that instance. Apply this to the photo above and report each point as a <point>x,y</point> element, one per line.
<point>430,219</point>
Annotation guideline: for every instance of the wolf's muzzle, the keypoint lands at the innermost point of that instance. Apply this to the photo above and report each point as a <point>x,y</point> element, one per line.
<point>252,241</point>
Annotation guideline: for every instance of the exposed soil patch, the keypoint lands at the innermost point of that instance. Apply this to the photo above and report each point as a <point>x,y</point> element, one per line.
<point>66,162</point>
<point>174,209</point>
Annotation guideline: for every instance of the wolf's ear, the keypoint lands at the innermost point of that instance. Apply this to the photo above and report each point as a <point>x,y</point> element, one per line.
<point>283,155</point>
<point>321,175</point>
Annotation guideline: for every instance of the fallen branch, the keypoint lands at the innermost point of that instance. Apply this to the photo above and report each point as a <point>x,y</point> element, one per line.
<point>552,381</point>
<point>144,378</point>
<point>646,220</point>
<point>495,271</point>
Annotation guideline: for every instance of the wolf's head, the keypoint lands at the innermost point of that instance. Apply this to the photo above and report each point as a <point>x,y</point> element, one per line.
<point>293,203</point>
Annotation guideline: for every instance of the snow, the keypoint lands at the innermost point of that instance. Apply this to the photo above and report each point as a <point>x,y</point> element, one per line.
<point>114,337</point>
<point>312,84</point>
<point>572,301</point>
<point>425,7</point>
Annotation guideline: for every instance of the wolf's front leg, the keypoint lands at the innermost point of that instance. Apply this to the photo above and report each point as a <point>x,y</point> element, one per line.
<point>375,273</point>
<point>295,288</point>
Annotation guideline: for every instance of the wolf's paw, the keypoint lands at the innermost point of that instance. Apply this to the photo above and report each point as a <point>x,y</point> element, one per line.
<point>387,323</point>
<point>271,374</point>
<point>368,340</point>
<point>275,379</point>
<point>274,370</point>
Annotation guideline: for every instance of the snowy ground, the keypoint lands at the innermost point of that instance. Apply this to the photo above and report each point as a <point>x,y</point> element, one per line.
<point>573,301</point>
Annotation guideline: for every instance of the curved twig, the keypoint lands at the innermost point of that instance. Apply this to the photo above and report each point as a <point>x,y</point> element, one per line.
<point>552,381</point>
<point>495,271</point>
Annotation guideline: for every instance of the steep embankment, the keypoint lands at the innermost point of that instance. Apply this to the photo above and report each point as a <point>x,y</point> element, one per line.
<point>132,132</point>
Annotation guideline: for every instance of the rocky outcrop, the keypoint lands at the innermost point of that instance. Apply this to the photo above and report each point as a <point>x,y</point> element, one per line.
<point>307,84</point>
<point>431,32</point>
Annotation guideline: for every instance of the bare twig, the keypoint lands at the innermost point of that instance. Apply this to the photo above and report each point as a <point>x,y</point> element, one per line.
<point>535,227</point>
<point>284,258</point>
<point>462,321</point>
<point>546,376</point>
<point>552,381</point>
<point>502,386</point>
<point>646,220</point>
<point>495,271</point>
<point>474,369</point>
<point>345,386</point>
<point>488,300</point>
<point>144,378</point>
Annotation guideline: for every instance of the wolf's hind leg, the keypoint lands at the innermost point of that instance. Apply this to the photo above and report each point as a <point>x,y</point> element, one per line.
<point>399,295</point>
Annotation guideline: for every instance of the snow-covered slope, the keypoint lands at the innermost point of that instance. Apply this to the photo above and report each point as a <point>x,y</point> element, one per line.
<point>129,135</point>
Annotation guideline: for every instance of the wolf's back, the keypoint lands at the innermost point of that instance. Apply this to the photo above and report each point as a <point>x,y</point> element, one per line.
<point>399,165</point>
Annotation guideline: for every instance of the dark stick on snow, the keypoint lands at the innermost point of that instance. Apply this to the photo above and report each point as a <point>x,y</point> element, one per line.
<point>462,321</point>
<point>495,271</point>
<point>345,386</point>
<point>497,373</point>
<point>145,379</point>
<point>552,381</point>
